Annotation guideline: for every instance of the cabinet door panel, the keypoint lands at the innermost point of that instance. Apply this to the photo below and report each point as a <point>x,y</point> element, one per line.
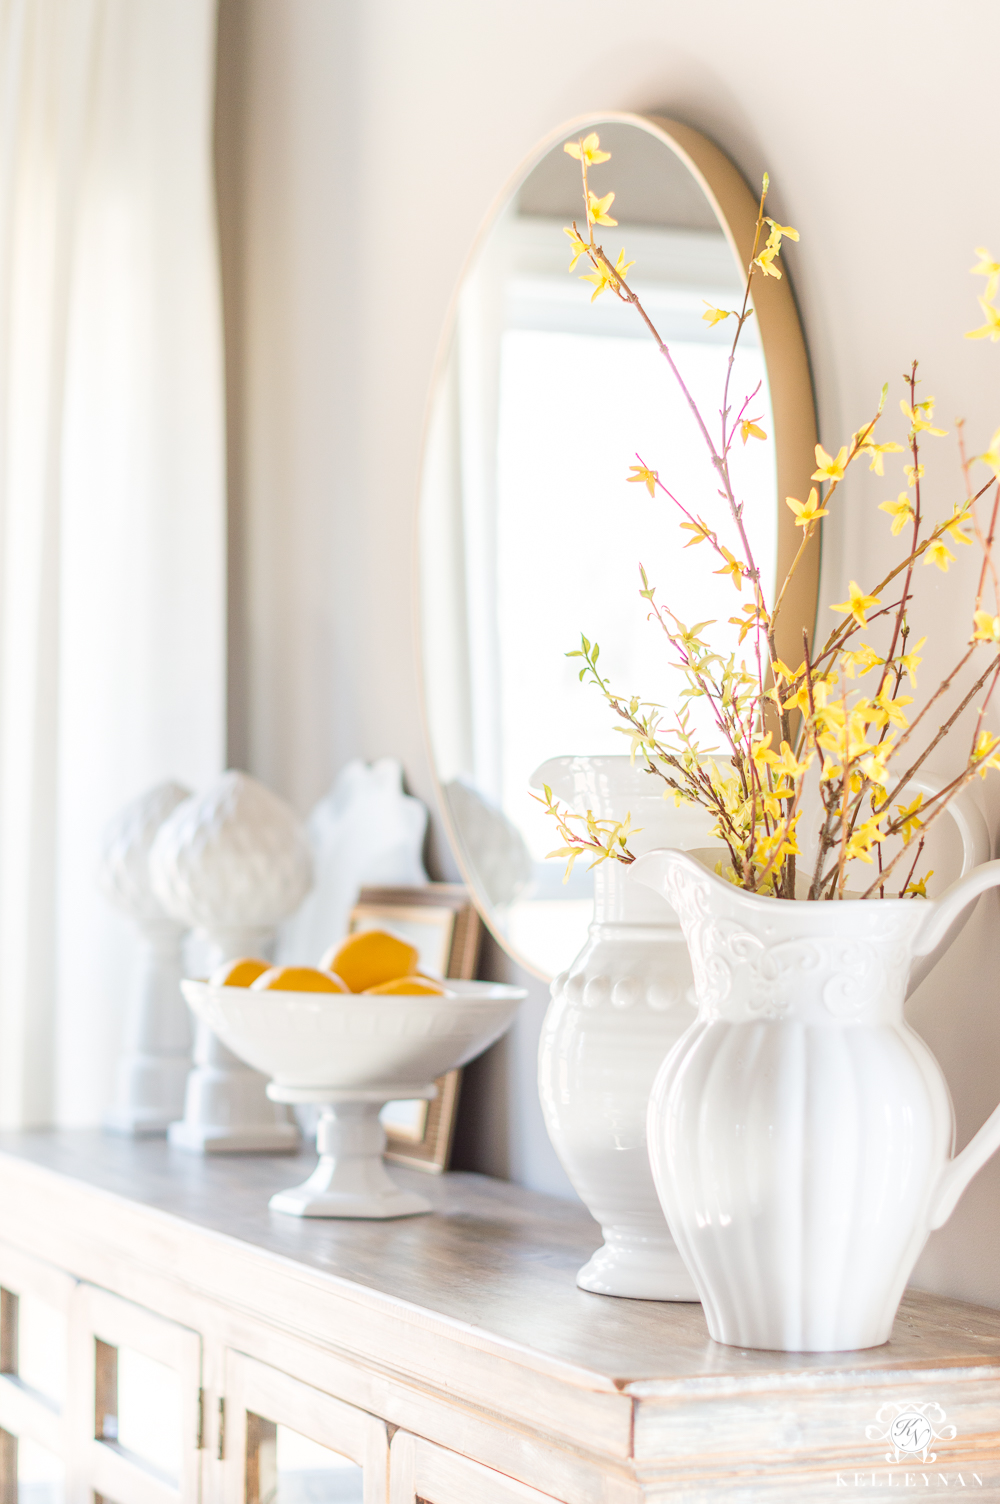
<point>136,1412</point>
<point>36,1300</point>
<point>421,1471</point>
<point>286,1442</point>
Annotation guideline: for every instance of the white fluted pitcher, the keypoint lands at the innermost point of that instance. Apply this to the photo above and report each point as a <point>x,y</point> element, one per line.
<point>801,1133</point>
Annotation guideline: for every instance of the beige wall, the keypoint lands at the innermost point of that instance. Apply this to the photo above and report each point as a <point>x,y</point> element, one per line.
<point>360,145</point>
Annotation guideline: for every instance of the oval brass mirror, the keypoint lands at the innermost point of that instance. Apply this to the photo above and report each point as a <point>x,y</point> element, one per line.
<point>529,533</point>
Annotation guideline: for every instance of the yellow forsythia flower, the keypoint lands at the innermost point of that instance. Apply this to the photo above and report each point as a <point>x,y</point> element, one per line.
<point>987,268</point>
<point>806,511</point>
<point>984,755</point>
<point>587,150</point>
<point>713,316</point>
<point>603,278</point>
<point>578,246</point>
<point>732,567</point>
<point>919,417</point>
<point>862,660</point>
<point>597,208</point>
<point>646,477</point>
<point>878,453</point>
<point>911,661</point>
<point>992,455</point>
<point>910,820</point>
<point>899,510</point>
<point>828,468</point>
<point>989,330</point>
<point>987,627</point>
<point>857,604</point>
<point>940,554</point>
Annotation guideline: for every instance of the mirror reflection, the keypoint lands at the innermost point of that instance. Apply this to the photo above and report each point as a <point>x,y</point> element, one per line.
<point>41,1347</point>
<point>289,1468</point>
<point>41,1475</point>
<point>530,531</point>
<point>149,1411</point>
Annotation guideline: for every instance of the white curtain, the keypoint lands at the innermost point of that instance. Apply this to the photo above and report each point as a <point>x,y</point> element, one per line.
<point>112,517</point>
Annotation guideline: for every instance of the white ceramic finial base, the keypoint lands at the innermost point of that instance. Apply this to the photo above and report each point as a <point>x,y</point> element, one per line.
<point>351,1179</point>
<point>226,1109</point>
<point>149,1092</point>
<point>156,1053</point>
<point>151,1074</point>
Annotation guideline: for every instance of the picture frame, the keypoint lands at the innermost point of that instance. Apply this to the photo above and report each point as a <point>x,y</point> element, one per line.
<point>441,921</point>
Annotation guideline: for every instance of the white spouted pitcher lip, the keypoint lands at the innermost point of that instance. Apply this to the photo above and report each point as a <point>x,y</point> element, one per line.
<point>702,862</point>
<point>929,924</point>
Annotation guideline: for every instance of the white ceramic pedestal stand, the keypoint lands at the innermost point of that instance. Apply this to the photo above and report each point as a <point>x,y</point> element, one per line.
<point>156,1054</point>
<point>151,1075</point>
<point>226,1106</point>
<point>232,863</point>
<point>351,1179</point>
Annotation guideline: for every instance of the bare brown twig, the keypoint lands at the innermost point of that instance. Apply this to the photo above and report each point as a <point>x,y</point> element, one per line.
<point>854,738</point>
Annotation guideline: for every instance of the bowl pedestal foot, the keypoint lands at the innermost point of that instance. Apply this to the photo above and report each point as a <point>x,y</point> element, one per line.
<point>351,1179</point>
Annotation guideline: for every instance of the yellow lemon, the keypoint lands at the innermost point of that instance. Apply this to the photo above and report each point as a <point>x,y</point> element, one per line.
<point>239,973</point>
<point>369,958</point>
<point>298,979</point>
<point>411,986</point>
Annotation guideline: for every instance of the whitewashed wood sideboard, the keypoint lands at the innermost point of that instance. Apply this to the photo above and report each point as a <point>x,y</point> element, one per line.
<point>450,1357</point>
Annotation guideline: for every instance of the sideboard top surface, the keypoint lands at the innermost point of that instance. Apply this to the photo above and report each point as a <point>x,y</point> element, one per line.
<point>493,1262</point>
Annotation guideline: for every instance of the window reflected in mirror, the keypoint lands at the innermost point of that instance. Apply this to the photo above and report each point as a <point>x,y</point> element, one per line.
<point>138,1407</point>
<point>41,1342</point>
<point>284,1467</point>
<point>30,1473</point>
<point>531,533</point>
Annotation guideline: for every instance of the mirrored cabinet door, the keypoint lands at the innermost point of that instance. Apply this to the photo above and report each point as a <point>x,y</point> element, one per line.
<point>35,1307</point>
<point>288,1443</point>
<point>139,1418</point>
<point>424,1473</point>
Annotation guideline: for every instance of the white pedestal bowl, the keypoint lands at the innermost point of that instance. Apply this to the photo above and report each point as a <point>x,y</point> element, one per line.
<point>352,1053</point>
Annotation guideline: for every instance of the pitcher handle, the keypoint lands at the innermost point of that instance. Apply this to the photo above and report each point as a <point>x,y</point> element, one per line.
<point>960,1170</point>
<point>975,837</point>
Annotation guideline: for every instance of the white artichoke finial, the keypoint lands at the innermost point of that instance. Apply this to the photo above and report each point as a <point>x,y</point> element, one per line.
<point>123,875</point>
<point>232,858</point>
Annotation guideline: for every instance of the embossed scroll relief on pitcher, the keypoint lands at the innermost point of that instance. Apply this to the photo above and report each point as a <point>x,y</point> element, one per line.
<point>529,530</point>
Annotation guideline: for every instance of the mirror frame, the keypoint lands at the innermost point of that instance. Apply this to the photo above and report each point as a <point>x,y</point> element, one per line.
<point>789,379</point>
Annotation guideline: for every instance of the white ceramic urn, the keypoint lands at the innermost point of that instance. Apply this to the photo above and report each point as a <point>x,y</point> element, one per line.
<point>615,1014</point>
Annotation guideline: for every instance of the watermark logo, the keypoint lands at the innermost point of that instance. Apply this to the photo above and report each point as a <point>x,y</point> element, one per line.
<point>911,1430</point>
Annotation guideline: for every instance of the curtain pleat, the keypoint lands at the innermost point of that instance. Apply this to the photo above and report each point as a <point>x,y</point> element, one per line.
<point>112,520</point>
